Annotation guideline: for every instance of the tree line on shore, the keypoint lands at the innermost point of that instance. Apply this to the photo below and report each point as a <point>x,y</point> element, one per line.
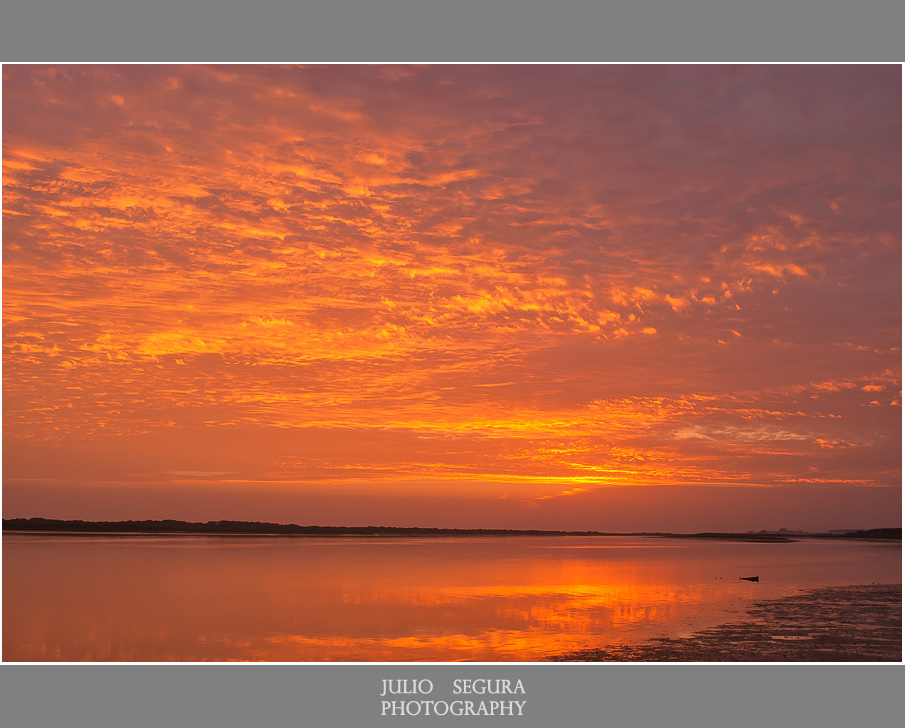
<point>258,527</point>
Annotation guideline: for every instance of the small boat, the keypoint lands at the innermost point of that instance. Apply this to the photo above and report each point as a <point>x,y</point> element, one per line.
<point>749,578</point>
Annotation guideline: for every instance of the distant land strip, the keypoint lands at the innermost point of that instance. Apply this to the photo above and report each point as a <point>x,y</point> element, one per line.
<point>257,527</point>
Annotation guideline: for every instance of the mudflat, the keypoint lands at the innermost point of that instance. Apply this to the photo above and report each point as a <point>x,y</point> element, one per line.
<point>833,624</point>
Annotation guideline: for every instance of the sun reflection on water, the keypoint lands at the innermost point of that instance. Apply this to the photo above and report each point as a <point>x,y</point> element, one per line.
<point>273,599</point>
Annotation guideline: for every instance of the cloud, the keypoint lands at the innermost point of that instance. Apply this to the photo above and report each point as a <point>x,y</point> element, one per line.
<point>553,267</point>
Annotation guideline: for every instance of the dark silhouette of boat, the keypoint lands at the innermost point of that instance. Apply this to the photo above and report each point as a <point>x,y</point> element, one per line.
<point>749,578</point>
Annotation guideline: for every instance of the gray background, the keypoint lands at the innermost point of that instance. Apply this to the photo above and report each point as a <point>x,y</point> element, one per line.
<point>451,31</point>
<point>344,696</point>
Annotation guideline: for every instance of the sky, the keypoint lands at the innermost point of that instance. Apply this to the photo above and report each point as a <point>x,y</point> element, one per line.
<point>619,298</point>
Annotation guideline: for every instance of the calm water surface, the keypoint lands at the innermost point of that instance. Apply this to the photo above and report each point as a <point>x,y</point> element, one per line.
<point>196,598</point>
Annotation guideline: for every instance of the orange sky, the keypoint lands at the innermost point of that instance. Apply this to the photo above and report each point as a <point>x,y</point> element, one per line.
<point>604,297</point>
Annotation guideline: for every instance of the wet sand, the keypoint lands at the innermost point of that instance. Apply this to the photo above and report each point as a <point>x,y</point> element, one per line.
<point>835,624</point>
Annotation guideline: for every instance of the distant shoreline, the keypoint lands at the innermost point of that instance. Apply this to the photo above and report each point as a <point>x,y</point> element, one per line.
<point>244,528</point>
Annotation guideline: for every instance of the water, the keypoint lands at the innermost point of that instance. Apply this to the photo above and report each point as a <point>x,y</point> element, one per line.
<point>149,598</point>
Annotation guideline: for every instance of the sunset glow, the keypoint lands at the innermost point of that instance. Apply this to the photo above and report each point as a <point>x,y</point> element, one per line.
<point>585,297</point>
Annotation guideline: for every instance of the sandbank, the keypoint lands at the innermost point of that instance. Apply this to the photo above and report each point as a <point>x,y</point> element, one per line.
<point>833,624</point>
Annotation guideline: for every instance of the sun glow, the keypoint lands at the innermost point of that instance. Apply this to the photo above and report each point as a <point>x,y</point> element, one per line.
<point>274,273</point>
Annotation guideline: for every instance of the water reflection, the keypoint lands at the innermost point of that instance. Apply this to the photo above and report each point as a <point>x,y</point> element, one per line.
<point>198,598</point>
